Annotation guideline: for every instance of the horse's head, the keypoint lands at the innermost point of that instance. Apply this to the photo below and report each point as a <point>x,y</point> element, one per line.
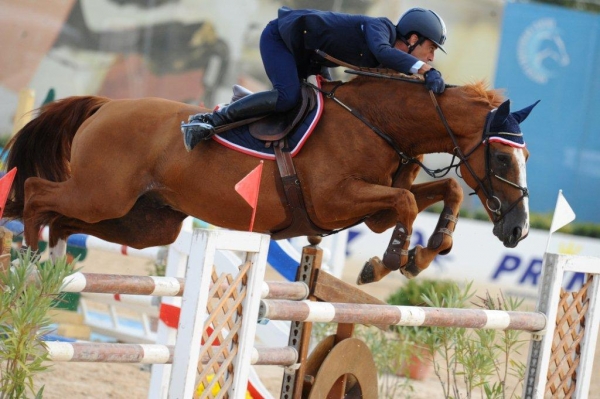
<point>496,171</point>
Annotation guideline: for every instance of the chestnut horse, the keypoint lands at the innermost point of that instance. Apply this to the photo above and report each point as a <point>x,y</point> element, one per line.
<point>118,169</point>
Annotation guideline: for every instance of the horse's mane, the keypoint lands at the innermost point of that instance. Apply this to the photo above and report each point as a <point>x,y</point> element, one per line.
<point>477,91</point>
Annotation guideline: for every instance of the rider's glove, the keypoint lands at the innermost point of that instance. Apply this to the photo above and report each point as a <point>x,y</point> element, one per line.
<point>434,81</point>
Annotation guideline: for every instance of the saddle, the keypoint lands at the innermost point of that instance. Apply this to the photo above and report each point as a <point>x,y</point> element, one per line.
<point>273,130</point>
<point>275,127</point>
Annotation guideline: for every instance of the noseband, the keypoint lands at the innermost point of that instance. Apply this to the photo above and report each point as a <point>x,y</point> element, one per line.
<point>492,202</point>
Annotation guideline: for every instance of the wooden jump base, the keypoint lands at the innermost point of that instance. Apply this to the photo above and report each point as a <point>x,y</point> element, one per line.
<point>307,311</point>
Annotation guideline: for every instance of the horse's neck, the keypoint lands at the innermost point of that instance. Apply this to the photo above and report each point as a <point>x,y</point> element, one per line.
<point>410,118</point>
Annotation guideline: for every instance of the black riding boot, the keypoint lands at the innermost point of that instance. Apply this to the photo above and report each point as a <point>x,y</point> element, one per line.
<point>202,126</point>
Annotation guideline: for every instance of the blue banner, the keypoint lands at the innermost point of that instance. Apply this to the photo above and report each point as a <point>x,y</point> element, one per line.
<point>552,54</point>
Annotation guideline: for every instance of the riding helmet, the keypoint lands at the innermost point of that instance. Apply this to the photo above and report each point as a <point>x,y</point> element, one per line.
<point>424,23</point>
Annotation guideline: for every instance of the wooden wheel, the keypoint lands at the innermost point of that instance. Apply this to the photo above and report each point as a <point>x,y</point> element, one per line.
<point>349,357</point>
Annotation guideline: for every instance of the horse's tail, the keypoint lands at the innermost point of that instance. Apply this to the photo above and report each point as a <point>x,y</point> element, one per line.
<point>43,147</point>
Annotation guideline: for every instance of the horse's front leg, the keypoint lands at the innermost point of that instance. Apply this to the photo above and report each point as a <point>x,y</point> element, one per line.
<point>394,257</point>
<point>383,204</point>
<point>440,242</point>
<point>397,252</point>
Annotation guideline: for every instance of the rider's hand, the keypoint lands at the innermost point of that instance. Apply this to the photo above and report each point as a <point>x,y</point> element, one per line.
<point>434,81</point>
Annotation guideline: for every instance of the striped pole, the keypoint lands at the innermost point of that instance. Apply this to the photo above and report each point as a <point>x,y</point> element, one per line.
<point>165,286</point>
<point>293,291</point>
<point>150,353</point>
<point>122,284</point>
<point>307,311</point>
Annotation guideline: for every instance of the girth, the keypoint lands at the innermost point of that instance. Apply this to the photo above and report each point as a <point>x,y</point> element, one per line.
<point>272,129</point>
<point>301,223</point>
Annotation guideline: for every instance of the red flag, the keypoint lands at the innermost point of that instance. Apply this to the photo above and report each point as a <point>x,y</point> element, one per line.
<point>5,185</point>
<point>248,188</point>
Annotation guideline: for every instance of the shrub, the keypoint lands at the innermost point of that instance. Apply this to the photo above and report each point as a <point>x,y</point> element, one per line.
<point>24,303</point>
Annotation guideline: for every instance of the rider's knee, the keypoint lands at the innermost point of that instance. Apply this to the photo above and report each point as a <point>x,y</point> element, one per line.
<point>286,100</point>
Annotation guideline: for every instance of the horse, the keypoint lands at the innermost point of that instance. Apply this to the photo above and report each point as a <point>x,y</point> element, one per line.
<point>118,169</point>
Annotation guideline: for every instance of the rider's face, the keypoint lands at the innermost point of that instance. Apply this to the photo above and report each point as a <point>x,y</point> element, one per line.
<point>425,52</point>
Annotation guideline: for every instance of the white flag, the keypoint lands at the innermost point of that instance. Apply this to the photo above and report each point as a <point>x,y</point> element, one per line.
<point>563,214</point>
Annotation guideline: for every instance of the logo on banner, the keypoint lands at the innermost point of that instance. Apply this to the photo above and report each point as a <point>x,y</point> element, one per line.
<point>541,51</point>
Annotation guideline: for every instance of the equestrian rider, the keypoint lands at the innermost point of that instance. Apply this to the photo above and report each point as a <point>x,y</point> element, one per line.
<point>287,47</point>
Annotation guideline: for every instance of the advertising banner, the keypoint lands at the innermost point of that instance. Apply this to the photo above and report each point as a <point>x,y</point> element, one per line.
<point>551,54</point>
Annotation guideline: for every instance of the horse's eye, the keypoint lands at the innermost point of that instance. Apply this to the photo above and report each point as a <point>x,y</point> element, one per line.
<point>503,159</point>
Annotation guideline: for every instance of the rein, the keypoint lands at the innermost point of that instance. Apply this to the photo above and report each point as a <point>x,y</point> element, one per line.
<point>491,198</point>
<point>404,159</point>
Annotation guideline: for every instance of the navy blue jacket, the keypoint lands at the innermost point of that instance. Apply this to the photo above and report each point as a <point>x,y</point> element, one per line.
<point>356,39</point>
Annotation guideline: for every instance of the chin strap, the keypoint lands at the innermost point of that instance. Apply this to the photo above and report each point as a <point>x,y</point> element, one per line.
<point>413,46</point>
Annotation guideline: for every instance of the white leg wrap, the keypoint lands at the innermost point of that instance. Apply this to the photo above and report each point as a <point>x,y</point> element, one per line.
<point>58,251</point>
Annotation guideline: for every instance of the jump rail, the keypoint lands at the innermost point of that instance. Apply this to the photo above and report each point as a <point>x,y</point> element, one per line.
<point>307,311</point>
<point>165,286</point>
<point>152,354</point>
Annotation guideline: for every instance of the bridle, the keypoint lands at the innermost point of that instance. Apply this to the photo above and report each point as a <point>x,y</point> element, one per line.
<point>491,198</point>
<point>493,203</point>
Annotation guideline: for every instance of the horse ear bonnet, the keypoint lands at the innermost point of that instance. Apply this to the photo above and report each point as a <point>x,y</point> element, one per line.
<point>505,125</point>
<point>500,116</point>
<point>521,115</point>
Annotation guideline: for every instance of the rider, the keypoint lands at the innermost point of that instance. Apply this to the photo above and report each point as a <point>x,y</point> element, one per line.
<point>287,47</point>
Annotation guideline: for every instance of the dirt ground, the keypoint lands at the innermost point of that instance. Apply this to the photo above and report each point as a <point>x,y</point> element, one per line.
<point>131,381</point>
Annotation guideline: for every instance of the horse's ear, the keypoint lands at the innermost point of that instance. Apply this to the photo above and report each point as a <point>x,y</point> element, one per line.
<point>501,114</point>
<point>521,115</point>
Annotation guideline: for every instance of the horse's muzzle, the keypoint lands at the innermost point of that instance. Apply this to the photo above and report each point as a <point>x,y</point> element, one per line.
<point>513,237</point>
<point>512,240</point>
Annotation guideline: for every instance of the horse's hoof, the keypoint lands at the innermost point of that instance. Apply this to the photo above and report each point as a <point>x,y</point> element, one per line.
<point>372,271</point>
<point>410,269</point>
<point>446,251</point>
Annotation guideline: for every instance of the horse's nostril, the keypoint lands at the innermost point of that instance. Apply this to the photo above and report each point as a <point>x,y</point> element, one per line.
<point>517,232</point>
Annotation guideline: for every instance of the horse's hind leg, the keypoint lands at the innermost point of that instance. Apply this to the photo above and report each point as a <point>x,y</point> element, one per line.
<point>59,250</point>
<point>440,242</point>
<point>88,201</point>
<point>34,216</point>
<point>149,223</point>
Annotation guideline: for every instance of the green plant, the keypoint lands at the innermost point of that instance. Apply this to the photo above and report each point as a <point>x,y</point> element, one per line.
<point>475,359</point>
<point>388,351</point>
<point>413,353</point>
<point>27,292</point>
<point>412,294</point>
<point>159,265</point>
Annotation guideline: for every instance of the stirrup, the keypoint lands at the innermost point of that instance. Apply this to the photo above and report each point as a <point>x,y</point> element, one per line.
<point>195,132</point>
